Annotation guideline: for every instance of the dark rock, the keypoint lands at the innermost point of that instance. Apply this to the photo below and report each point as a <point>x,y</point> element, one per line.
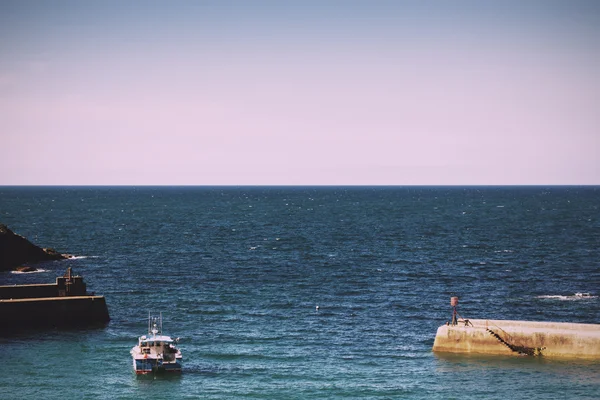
<point>25,268</point>
<point>15,251</point>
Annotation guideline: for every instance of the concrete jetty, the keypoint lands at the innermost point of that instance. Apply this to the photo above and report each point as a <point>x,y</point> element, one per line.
<point>504,337</point>
<point>64,303</point>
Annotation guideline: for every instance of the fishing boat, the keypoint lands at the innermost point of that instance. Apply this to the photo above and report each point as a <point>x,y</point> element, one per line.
<point>156,352</point>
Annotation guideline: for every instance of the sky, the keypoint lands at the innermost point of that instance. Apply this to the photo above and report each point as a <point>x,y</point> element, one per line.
<point>300,92</point>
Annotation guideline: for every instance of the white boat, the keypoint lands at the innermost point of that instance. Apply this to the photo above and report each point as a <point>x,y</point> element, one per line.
<point>156,352</point>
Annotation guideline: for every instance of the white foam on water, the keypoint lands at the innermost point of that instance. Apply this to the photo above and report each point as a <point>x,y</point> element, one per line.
<point>37,271</point>
<point>574,297</point>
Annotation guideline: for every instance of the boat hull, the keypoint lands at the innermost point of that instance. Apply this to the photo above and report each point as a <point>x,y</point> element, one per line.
<point>147,366</point>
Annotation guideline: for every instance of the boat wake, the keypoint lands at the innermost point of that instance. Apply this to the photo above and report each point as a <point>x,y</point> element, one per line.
<point>574,297</point>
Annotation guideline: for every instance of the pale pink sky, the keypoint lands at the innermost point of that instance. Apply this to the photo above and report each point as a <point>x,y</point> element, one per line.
<point>393,93</point>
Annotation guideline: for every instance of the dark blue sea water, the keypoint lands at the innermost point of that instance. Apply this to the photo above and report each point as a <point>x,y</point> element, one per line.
<point>238,272</point>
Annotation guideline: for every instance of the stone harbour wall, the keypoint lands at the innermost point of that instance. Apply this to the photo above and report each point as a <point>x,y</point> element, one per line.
<point>53,311</point>
<point>504,337</point>
<point>28,291</point>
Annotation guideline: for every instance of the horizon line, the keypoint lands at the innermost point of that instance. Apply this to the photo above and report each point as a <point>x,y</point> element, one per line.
<point>301,185</point>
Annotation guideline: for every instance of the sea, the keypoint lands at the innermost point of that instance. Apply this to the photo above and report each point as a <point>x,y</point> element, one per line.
<point>306,292</point>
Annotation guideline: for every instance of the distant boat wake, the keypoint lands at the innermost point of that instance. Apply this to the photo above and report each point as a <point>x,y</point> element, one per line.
<point>576,296</point>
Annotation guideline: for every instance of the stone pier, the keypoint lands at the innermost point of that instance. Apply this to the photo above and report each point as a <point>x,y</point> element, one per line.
<point>503,337</point>
<point>64,303</point>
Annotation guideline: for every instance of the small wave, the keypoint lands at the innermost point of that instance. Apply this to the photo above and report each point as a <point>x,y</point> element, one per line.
<point>37,271</point>
<point>80,257</point>
<point>573,297</point>
<point>472,263</point>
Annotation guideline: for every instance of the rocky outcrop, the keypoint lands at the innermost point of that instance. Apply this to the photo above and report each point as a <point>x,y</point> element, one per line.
<point>15,251</point>
<point>25,268</point>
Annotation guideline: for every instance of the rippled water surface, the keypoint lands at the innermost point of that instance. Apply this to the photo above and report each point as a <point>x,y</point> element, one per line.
<point>238,274</point>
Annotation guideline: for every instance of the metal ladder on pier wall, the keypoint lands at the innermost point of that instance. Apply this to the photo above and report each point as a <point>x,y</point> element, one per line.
<point>522,350</point>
